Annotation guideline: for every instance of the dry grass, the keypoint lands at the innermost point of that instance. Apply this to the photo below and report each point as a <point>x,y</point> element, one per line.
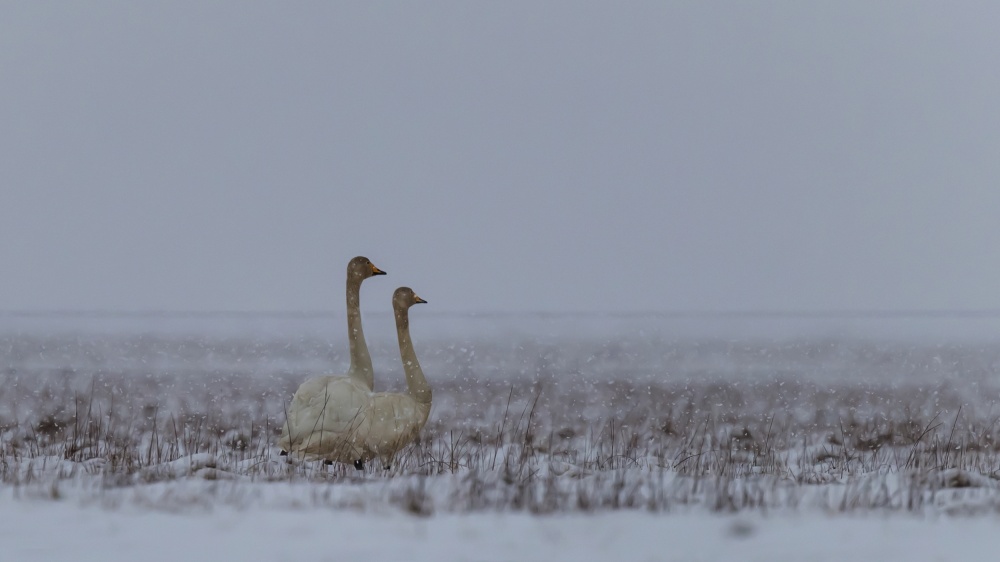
<point>576,431</point>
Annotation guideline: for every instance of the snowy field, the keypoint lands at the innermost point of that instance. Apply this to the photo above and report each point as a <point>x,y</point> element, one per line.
<point>551,437</point>
<point>86,534</point>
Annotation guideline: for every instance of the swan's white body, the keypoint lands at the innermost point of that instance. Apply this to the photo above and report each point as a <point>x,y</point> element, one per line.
<point>342,421</point>
<point>325,409</point>
<point>324,418</point>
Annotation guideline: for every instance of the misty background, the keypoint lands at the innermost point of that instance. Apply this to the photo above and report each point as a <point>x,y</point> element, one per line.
<point>514,156</point>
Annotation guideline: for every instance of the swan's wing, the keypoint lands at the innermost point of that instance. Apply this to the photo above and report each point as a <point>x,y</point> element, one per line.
<point>298,411</point>
<point>324,416</point>
<point>396,419</point>
<point>307,390</point>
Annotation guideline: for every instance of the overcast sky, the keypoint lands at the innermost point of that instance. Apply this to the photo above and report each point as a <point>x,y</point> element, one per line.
<point>500,156</point>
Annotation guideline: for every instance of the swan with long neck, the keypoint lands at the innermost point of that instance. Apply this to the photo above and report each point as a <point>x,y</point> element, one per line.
<point>324,409</point>
<point>396,419</point>
<point>352,426</point>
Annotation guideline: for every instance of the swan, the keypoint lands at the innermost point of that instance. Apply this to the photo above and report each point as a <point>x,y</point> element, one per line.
<point>395,419</point>
<point>347,423</point>
<point>325,408</point>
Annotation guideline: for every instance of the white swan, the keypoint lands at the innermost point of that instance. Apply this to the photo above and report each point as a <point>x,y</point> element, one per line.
<point>397,418</point>
<point>354,426</point>
<point>326,408</point>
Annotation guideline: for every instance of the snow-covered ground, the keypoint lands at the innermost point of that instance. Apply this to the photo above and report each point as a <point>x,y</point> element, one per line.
<point>58,531</point>
<point>560,437</point>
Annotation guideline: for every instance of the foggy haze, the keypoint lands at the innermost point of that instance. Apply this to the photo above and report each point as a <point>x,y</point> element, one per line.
<point>515,156</point>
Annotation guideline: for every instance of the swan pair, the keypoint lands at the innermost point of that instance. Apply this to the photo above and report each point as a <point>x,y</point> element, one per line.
<point>339,418</point>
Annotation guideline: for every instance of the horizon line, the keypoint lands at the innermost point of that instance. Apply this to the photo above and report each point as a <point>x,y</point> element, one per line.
<point>680,313</point>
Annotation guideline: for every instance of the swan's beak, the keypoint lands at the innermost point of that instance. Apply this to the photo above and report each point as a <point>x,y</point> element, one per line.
<point>418,300</point>
<point>377,271</point>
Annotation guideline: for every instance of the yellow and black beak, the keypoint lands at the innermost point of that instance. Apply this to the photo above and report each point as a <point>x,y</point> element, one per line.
<point>418,300</point>
<point>377,271</point>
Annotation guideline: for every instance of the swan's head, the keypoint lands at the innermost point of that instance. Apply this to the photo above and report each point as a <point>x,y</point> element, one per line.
<point>404,297</point>
<point>362,268</point>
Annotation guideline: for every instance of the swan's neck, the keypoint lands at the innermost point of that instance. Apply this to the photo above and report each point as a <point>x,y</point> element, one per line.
<point>416,384</point>
<point>361,361</point>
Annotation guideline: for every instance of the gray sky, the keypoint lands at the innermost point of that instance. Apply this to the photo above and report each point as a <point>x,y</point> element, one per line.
<point>500,156</point>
